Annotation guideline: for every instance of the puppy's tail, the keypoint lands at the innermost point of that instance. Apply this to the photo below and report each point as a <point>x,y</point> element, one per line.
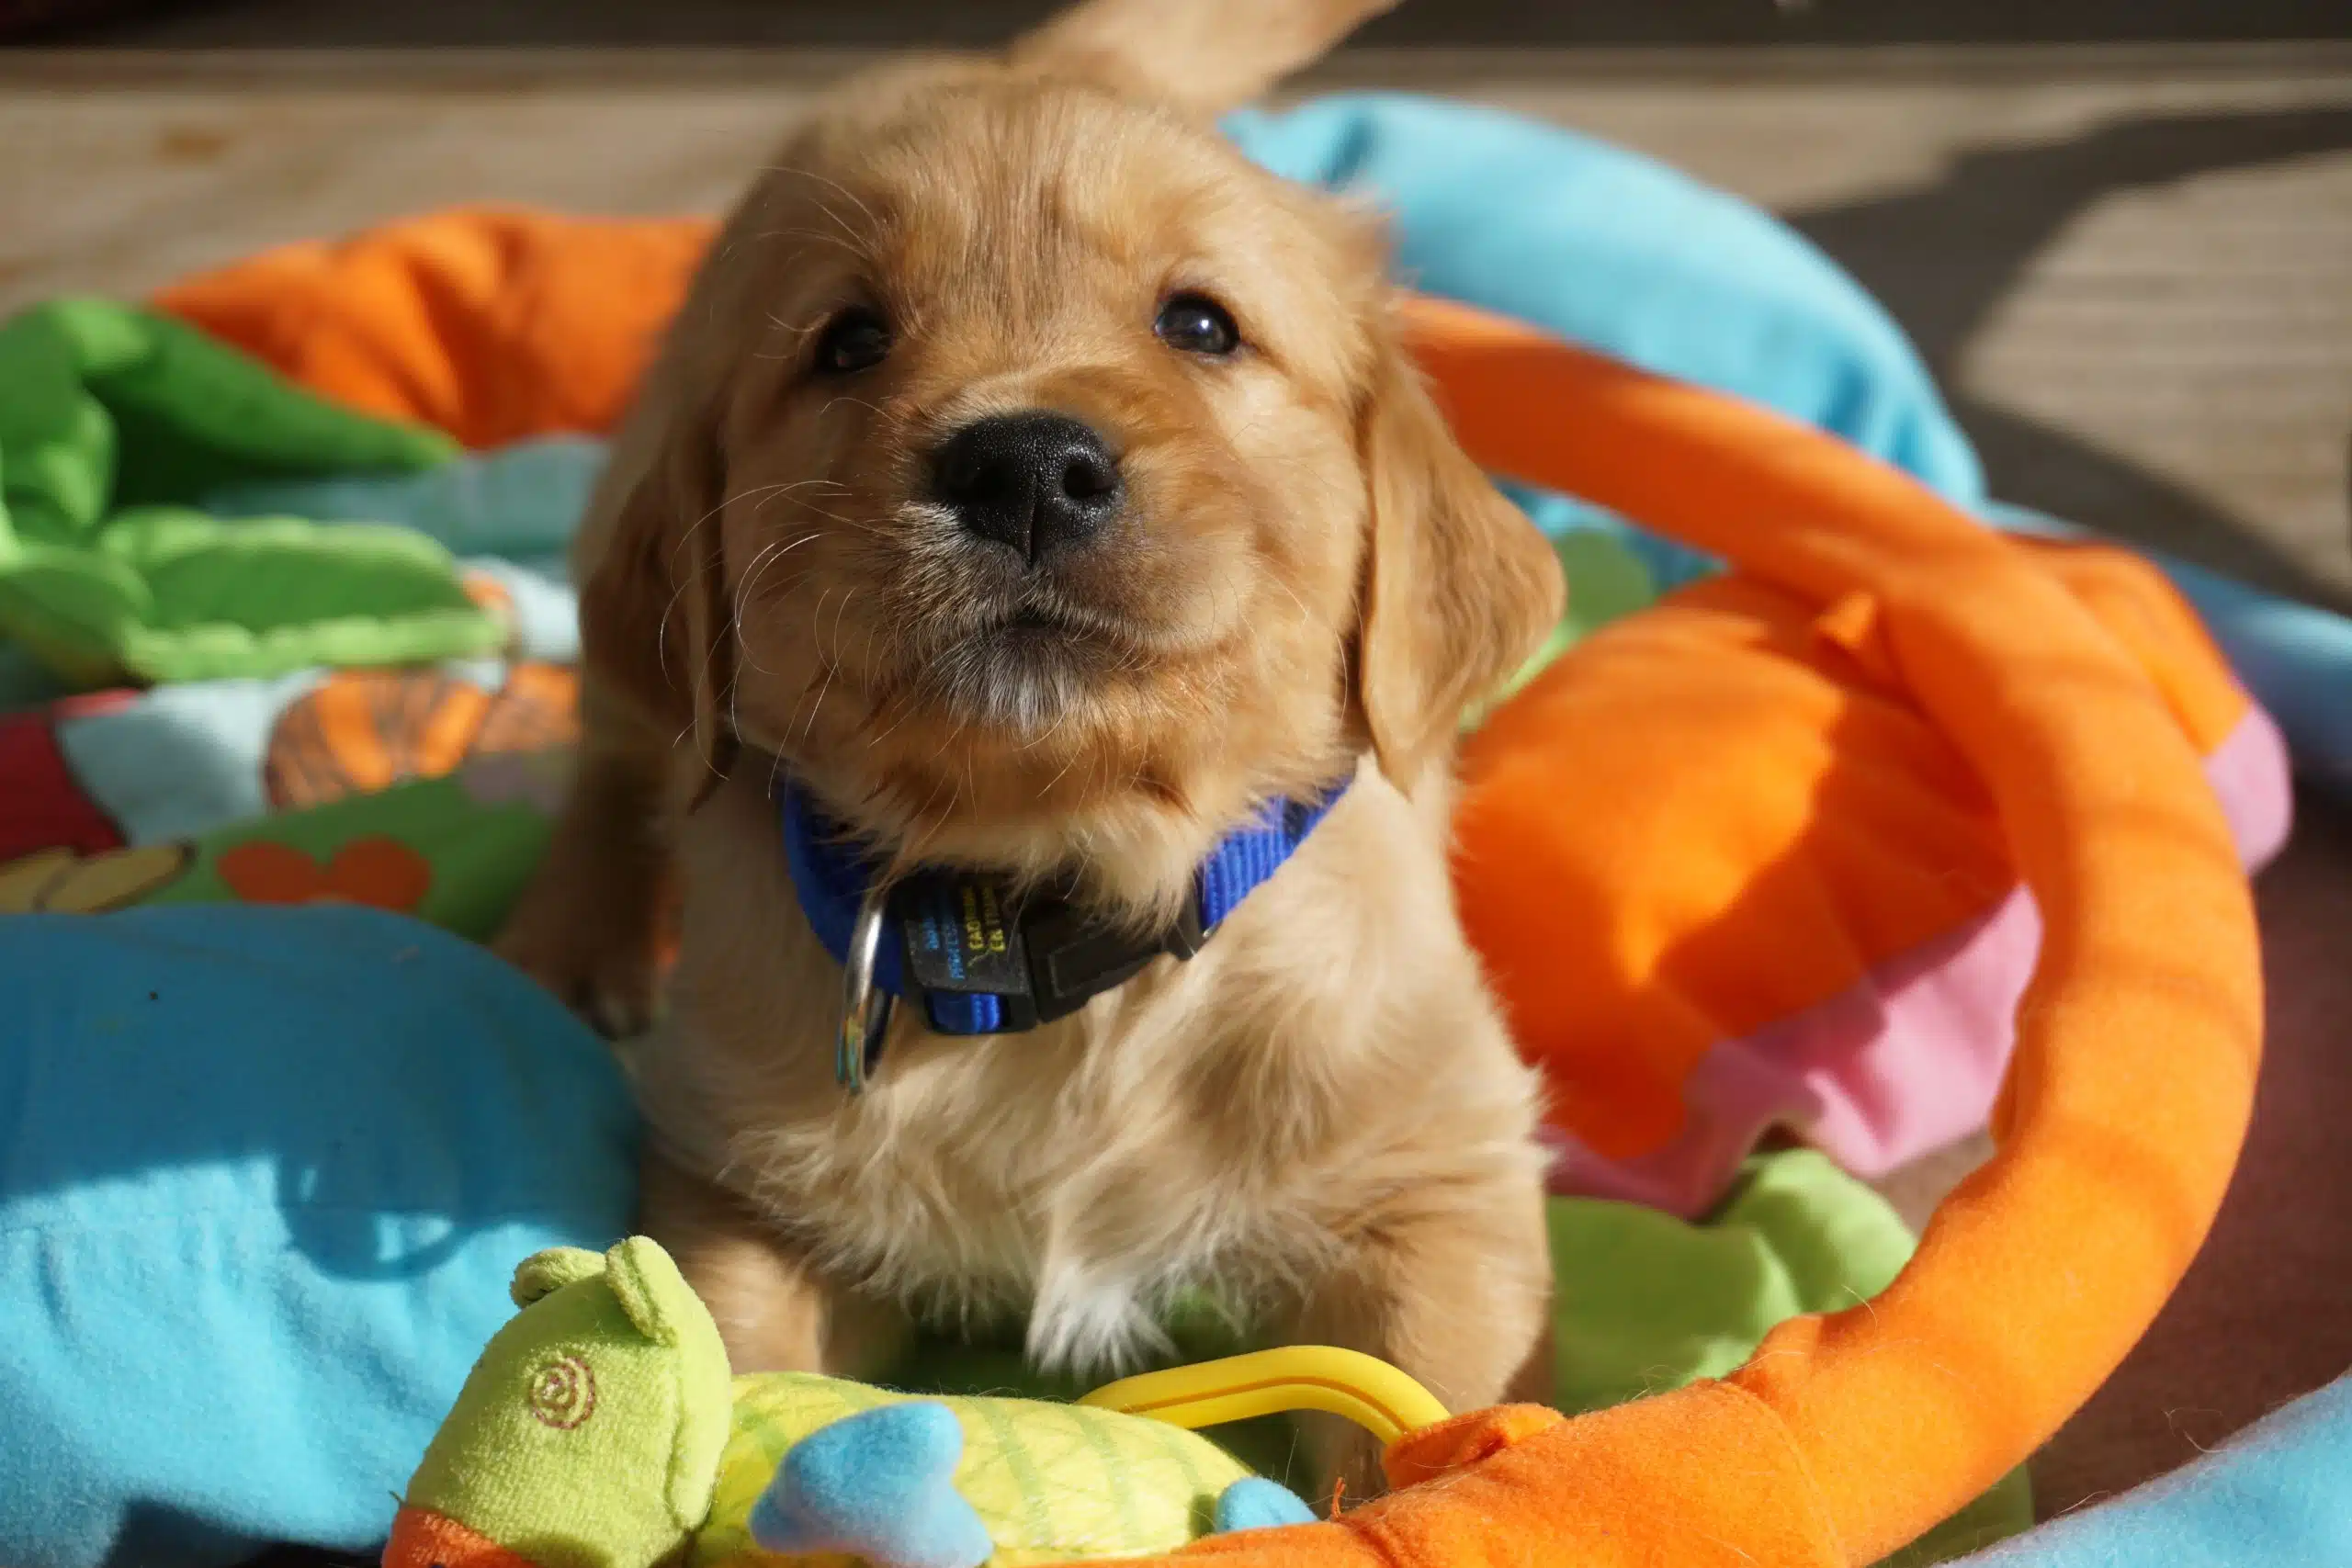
<point>1200,55</point>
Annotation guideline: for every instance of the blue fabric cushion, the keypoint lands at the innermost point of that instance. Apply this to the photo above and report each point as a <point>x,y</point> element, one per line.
<point>2278,1493</point>
<point>1616,252</point>
<point>263,1177</point>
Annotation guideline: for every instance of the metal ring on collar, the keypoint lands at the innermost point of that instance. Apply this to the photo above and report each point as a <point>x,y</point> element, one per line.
<point>865,1007</point>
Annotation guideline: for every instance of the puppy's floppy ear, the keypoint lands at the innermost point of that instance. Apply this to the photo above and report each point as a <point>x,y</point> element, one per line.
<point>654,621</point>
<point>1198,55</point>
<point>1459,588</point>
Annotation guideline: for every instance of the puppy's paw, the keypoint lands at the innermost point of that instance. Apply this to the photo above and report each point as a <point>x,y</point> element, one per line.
<point>595,967</point>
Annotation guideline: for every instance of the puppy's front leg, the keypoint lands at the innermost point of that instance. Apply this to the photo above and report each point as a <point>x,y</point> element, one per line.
<point>1452,1290</point>
<point>774,1314</point>
<point>586,926</point>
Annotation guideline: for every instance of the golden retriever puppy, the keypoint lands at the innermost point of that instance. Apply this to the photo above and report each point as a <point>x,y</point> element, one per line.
<point>1034,495</point>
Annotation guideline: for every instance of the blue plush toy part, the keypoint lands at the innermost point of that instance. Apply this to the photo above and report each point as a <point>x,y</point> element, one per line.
<point>880,1485</point>
<point>1257,1504</point>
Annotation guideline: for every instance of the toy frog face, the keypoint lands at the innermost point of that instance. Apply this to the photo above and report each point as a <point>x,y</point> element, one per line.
<point>588,1435</point>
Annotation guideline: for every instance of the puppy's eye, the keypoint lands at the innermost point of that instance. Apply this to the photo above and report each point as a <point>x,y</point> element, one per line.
<point>857,339</point>
<point>1197,324</point>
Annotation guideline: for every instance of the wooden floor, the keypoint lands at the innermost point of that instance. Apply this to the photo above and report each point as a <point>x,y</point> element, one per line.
<point>2133,266</point>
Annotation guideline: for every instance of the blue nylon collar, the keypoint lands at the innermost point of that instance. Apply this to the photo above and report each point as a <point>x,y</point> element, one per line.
<point>832,875</point>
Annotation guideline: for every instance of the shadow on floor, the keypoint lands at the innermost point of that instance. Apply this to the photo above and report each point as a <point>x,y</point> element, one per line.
<point>1941,257</point>
<point>2261,1317</point>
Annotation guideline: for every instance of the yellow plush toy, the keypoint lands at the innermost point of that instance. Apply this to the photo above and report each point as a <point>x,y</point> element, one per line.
<point>601,1430</point>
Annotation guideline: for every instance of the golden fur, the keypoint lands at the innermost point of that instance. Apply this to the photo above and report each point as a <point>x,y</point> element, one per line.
<point>1320,1113</point>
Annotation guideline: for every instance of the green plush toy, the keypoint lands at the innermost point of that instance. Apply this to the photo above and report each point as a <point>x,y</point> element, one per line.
<point>601,1430</point>
<point>588,1435</point>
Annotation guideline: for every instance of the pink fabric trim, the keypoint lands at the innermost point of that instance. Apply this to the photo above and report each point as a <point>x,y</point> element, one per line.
<point>1909,1059</point>
<point>2253,774</point>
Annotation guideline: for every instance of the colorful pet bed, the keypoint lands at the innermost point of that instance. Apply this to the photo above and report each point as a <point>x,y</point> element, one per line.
<point>1893,812</point>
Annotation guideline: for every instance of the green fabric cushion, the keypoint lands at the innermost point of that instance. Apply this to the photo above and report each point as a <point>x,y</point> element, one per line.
<point>1648,1302</point>
<point>113,422</point>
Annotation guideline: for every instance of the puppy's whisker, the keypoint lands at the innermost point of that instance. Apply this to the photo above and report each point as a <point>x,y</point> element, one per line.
<point>1068,762</point>
<point>775,549</point>
<point>831,670</point>
<point>904,710</point>
<point>830,663</point>
<point>1290,593</point>
<point>846,241</point>
<point>751,657</point>
<point>854,199</point>
<point>807,505</point>
<point>685,535</point>
<point>746,494</point>
<point>661,627</point>
<point>1054,729</point>
<point>761,564</point>
<point>838,617</point>
<point>865,658</point>
<point>721,636</point>
<point>783,492</point>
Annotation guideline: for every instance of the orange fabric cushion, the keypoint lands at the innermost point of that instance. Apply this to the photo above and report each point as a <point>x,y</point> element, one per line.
<point>494,325</point>
<point>1724,811</point>
<point>1707,817</point>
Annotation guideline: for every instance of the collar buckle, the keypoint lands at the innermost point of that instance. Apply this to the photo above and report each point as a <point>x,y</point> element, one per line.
<point>1073,958</point>
<point>1040,958</point>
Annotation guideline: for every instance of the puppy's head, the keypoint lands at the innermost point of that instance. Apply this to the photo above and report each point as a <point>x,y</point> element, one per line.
<point>1044,483</point>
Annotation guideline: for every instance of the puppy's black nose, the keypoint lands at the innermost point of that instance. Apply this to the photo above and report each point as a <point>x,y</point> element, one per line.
<point>1036,481</point>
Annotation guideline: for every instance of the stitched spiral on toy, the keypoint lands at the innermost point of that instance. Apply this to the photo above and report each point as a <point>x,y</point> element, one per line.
<point>564,1392</point>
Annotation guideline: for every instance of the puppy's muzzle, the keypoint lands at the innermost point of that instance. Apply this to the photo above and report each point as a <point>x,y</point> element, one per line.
<point>1037,482</point>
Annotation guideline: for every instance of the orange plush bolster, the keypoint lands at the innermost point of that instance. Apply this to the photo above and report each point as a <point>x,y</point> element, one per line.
<point>494,325</point>
<point>1704,1477</point>
<point>2144,613</point>
<point>2138,1041</point>
<point>1847,1435</point>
